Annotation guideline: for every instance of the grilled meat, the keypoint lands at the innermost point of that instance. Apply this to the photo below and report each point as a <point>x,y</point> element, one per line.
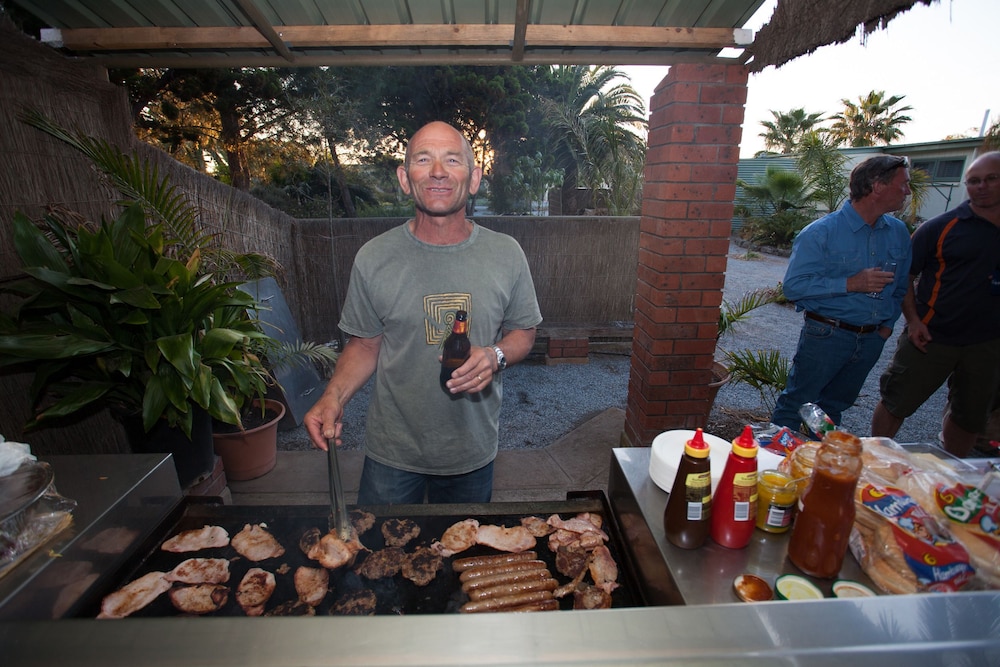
<point>603,569</point>
<point>457,538</point>
<point>399,532</point>
<point>292,608</point>
<point>312,584</point>
<point>200,598</point>
<point>255,590</point>
<point>207,537</point>
<point>200,571</point>
<point>134,595</point>
<point>422,566</point>
<point>591,597</point>
<point>381,564</point>
<point>571,560</point>
<point>355,603</point>
<point>256,544</point>
<point>516,538</point>
<point>361,521</point>
<point>537,526</point>
<point>329,550</point>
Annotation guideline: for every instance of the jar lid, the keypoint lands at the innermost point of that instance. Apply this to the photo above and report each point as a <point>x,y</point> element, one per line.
<point>794,587</point>
<point>751,588</point>
<point>844,588</point>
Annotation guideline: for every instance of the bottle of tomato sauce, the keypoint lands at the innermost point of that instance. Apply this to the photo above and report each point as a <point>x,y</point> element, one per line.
<point>822,527</point>
<point>734,504</point>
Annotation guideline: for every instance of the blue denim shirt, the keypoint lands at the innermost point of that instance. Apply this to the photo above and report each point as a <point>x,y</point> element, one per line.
<point>837,246</point>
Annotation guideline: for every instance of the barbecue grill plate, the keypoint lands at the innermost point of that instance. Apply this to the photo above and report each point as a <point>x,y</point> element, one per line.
<point>396,595</point>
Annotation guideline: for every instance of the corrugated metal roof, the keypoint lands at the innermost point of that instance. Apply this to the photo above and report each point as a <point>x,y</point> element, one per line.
<point>227,33</point>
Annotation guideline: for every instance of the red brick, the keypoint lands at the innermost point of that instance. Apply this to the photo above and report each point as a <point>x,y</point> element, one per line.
<point>714,173</point>
<point>703,281</point>
<point>697,72</point>
<point>707,246</point>
<point>718,134</point>
<point>662,208</point>
<point>694,113</point>
<point>695,346</point>
<point>723,94</point>
<point>698,315</point>
<point>693,153</point>
<point>712,211</point>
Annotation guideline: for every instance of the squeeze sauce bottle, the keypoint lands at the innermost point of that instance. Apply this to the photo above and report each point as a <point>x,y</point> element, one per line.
<point>689,507</point>
<point>734,506</point>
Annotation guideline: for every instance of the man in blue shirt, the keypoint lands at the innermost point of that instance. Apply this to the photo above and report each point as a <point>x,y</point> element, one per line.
<point>848,273</point>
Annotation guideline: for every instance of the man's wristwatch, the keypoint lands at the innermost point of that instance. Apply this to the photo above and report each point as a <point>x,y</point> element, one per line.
<point>501,359</point>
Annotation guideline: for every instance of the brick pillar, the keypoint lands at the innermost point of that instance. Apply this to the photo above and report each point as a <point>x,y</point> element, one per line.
<point>695,127</point>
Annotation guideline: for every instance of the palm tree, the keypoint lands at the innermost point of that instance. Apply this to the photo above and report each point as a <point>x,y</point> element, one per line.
<point>871,121</point>
<point>822,167</point>
<point>597,125</point>
<point>785,132</point>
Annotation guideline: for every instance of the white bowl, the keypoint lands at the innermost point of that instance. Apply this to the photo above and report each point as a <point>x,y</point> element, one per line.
<point>668,447</point>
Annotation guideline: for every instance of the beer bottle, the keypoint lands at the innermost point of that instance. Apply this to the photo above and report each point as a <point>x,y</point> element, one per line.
<point>456,349</point>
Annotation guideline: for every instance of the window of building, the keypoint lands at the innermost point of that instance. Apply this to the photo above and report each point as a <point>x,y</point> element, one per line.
<point>945,169</point>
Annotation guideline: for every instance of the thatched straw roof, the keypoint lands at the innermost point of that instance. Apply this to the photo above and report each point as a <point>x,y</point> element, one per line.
<point>798,27</point>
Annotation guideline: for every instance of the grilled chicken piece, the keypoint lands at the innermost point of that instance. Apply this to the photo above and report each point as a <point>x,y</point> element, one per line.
<point>422,566</point>
<point>206,537</point>
<point>312,584</point>
<point>330,551</point>
<point>516,538</point>
<point>537,526</point>
<point>255,590</point>
<point>457,538</point>
<point>399,532</point>
<point>603,569</point>
<point>134,595</point>
<point>200,571</point>
<point>381,564</point>
<point>256,544</point>
<point>355,603</point>
<point>199,599</point>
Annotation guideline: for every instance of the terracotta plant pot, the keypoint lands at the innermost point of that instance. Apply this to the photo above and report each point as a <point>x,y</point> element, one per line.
<point>252,453</point>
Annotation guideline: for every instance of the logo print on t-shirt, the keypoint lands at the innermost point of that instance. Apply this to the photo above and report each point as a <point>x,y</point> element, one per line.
<point>439,313</point>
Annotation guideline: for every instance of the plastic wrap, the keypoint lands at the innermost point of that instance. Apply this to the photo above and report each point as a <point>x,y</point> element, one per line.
<point>31,512</point>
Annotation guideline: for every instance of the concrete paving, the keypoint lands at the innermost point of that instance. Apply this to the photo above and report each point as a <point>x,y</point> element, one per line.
<point>577,461</point>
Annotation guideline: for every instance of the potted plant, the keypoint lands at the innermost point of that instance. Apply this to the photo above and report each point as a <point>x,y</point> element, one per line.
<point>125,314</point>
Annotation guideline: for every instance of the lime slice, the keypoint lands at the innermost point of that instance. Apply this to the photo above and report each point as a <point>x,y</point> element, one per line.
<point>794,587</point>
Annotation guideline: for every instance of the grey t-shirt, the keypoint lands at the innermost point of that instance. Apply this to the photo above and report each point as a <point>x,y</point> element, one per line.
<point>407,291</point>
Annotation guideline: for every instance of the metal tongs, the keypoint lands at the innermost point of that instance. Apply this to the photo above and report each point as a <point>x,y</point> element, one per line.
<point>339,523</point>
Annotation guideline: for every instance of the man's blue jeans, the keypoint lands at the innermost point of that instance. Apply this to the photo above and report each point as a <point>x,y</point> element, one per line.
<point>829,369</point>
<point>384,485</point>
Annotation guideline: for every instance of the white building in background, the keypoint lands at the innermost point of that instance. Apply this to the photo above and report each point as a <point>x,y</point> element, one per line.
<point>944,161</point>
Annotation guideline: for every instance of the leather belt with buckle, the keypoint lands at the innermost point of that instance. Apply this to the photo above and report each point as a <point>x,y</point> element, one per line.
<point>867,328</point>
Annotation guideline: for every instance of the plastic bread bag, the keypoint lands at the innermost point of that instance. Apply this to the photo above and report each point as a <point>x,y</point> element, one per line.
<point>902,546</point>
<point>971,515</point>
<point>31,511</point>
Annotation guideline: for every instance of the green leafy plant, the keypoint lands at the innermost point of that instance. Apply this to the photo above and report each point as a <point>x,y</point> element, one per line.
<point>764,370</point>
<point>126,314</point>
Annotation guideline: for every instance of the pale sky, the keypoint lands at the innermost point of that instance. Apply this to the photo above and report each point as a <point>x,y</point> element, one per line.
<point>945,58</point>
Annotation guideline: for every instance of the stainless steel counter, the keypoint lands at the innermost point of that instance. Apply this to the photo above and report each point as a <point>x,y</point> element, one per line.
<point>694,576</point>
<point>883,631</point>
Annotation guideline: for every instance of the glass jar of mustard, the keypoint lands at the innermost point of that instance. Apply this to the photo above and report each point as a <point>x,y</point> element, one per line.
<point>776,497</point>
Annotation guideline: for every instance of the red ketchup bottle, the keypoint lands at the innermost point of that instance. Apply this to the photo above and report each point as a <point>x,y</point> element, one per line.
<point>734,505</point>
<point>689,508</point>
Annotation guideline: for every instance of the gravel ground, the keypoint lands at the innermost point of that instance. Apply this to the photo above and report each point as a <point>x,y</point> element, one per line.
<point>542,403</point>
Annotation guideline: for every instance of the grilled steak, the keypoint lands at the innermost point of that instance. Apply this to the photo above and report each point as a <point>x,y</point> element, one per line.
<point>422,566</point>
<point>571,560</point>
<point>590,597</point>
<point>361,521</point>
<point>292,608</point>
<point>355,603</point>
<point>200,598</point>
<point>256,544</point>
<point>381,564</point>
<point>399,532</point>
